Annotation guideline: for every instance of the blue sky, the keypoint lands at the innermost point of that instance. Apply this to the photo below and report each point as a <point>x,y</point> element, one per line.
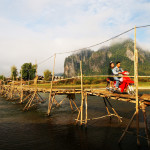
<point>36,29</point>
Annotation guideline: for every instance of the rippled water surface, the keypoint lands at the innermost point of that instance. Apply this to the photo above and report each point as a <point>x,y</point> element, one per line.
<point>34,130</point>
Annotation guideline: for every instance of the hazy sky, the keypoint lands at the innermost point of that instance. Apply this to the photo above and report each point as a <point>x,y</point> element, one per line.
<point>36,29</point>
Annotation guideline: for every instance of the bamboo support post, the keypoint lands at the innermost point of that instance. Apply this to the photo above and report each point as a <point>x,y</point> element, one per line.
<point>61,101</point>
<point>50,95</point>
<point>28,102</point>
<point>136,84</point>
<point>82,95</point>
<point>12,89</point>
<point>136,92</point>
<point>107,108</point>
<point>127,128</point>
<point>21,97</point>
<point>86,113</point>
<point>37,98</point>
<point>55,101</point>
<point>51,104</point>
<point>75,105</point>
<point>114,110</point>
<point>71,104</point>
<point>31,100</point>
<point>26,97</point>
<point>78,115</point>
<point>40,96</point>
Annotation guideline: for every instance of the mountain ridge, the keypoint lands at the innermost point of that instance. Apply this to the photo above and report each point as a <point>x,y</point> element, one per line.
<point>97,62</point>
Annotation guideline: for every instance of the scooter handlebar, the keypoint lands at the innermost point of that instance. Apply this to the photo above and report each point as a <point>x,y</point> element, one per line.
<point>125,73</point>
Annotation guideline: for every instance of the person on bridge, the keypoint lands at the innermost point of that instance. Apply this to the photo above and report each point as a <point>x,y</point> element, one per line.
<point>111,79</point>
<point>117,71</point>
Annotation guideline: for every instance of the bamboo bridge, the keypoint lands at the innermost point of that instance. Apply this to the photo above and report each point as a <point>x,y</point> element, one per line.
<point>31,96</point>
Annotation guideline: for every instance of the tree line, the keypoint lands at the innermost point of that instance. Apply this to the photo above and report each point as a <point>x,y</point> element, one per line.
<point>27,72</point>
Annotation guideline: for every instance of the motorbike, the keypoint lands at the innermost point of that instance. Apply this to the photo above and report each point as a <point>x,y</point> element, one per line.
<point>125,85</point>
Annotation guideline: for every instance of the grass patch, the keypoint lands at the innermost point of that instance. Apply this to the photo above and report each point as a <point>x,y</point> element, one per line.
<point>85,85</point>
<point>78,86</point>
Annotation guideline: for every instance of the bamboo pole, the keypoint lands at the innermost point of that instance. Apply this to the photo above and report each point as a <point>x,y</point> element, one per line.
<point>21,89</point>
<point>86,115</point>
<point>78,116</point>
<point>75,105</point>
<point>12,87</point>
<point>107,107</point>
<point>31,100</point>
<point>127,128</point>
<point>136,84</point>
<point>50,95</point>
<point>114,110</point>
<point>96,76</point>
<point>26,97</point>
<point>71,104</point>
<point>55,101</point>
<point>61,101</point>
<point>51,104</point>
<point>82,96</point>
<point>36,74</point>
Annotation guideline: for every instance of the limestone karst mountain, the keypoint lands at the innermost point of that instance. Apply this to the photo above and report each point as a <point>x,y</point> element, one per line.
<point>97,62</point>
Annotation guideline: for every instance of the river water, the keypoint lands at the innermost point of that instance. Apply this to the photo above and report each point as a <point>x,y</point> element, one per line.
<point>34,130</point>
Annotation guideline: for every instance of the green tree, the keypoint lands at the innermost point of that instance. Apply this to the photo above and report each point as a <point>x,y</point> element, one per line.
<point>2,77</point>
<point>14,72</point>
<point>47,75</point>
<point>28,71</point>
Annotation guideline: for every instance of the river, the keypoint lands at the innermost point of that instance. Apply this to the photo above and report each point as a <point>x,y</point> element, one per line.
<point>34,130</point>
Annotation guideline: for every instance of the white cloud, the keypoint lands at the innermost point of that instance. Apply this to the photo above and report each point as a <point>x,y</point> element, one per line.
<point>36,29</point>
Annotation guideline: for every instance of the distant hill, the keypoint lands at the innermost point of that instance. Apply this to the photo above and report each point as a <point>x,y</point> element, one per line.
<point>97,62</point>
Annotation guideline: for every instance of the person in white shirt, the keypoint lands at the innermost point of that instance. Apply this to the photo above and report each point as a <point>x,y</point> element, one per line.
<point>117,71</point>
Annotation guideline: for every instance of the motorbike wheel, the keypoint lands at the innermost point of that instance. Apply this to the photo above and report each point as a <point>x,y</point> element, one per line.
<point>130,90</point>
<point>107,86</point>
